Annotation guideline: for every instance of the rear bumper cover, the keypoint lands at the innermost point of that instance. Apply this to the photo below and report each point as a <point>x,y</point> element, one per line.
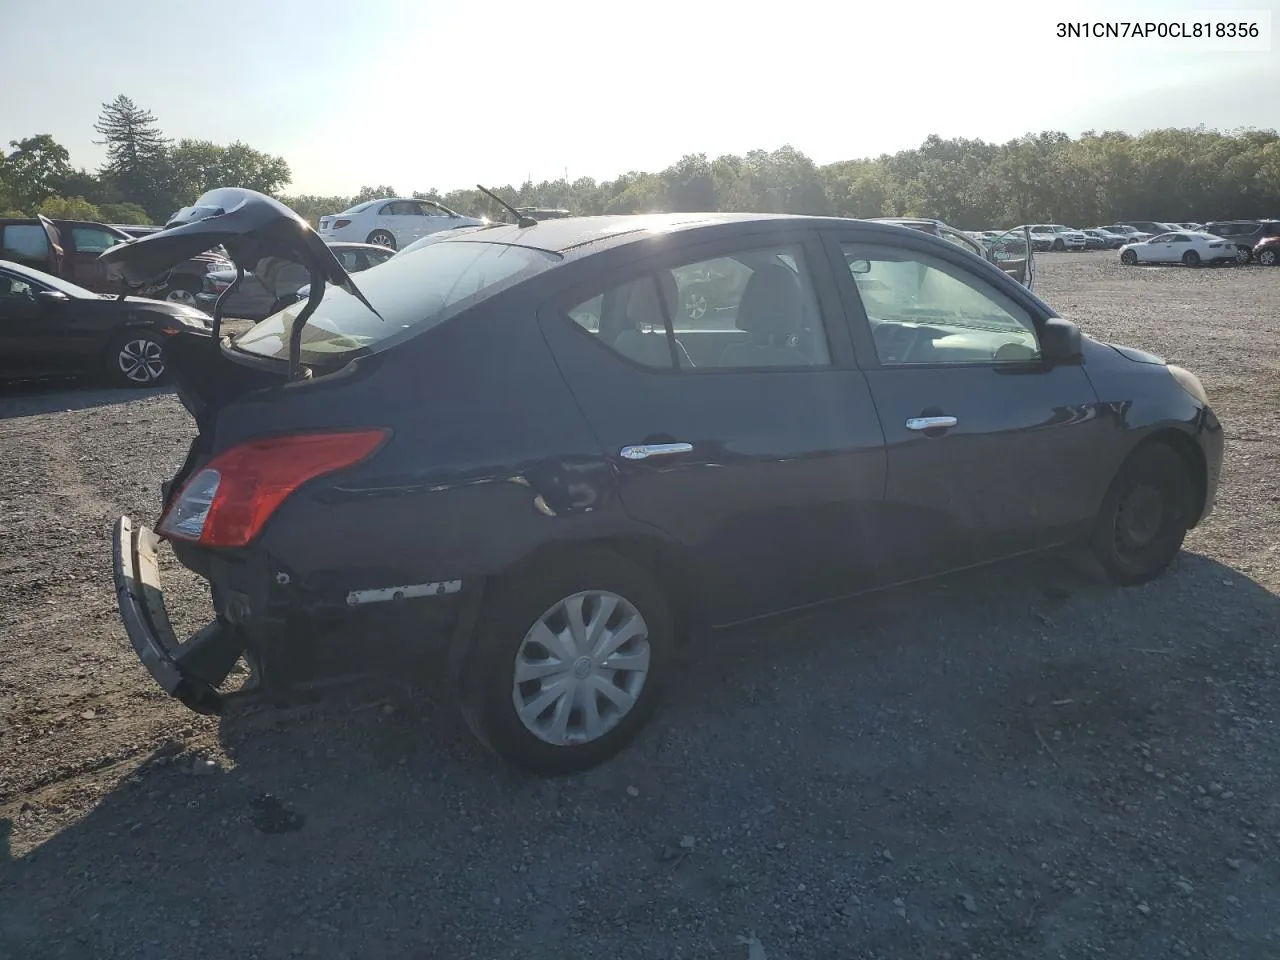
<point>181,670</point>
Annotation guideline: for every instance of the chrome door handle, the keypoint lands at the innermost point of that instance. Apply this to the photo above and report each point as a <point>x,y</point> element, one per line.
<point>643,451</point>
<point>930,423</point>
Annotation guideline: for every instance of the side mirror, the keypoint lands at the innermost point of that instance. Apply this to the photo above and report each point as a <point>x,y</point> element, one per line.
<point>1060,342</point>
<point>50,297</point>
<point>859,266</point>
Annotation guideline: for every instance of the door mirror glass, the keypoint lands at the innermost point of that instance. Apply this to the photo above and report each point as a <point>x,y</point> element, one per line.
<point>859,266</point>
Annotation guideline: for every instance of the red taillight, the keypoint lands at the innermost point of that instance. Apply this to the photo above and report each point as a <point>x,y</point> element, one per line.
<point>227,502</point>
<point>339,224</point>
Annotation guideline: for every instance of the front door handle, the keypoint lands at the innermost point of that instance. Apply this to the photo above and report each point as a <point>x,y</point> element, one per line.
<point>931,423</point>
<point>643,451</point>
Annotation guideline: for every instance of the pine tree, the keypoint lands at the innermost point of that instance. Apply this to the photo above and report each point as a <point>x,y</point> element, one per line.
<point>137,156</point>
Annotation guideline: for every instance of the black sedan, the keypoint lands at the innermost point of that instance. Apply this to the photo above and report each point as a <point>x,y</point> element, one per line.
<point>50,327</point>
<point>510,458</point>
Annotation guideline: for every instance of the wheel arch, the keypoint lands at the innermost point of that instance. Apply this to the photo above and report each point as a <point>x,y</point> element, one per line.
<point>662,559</point>
<point>1189,451</point>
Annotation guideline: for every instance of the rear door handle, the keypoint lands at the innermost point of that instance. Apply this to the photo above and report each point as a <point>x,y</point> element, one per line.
<point>643,451</point>
<point>931,423</point>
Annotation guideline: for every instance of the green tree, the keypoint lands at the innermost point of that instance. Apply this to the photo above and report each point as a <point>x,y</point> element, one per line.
<point>70,208</point>
<point>137,156</point>
<point>35,169</point>
<point>200,165</point>
<point>124,213</point>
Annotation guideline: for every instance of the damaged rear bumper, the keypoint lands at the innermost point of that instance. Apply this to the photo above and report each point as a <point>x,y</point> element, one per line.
<point>191,670</point>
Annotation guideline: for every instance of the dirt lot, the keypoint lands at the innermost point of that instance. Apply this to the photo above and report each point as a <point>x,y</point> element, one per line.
<point>1015,763</point>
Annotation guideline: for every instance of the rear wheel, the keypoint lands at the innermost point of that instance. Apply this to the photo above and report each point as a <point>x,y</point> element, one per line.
<point>1058,245</point>
<point>382,238</point>
<point>567,662</point>
<point>1191,259</point>
<point>1243,255</point>
<point>1129,258</point>
<point>1269,257</point>
<point>1144,516</point>
<point>181,290</point>
<point>136,359</point>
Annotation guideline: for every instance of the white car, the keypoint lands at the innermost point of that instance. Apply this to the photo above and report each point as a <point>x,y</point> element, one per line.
<point>1127,230</point>
<point>1189,248</point>
<point>393,222</point>
<point>1054,236</point>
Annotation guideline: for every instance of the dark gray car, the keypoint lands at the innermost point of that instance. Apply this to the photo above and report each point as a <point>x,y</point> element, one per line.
<point>256,300</point>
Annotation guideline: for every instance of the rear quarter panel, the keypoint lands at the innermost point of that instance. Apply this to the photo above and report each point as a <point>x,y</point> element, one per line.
<point>490,458</point>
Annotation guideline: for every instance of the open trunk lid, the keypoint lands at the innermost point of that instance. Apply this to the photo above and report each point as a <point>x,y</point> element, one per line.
<point>260,234</point>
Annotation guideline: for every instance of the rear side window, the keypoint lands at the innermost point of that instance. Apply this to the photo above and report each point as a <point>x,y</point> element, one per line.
<point>25,241</point>
<point>412,293</point>
<point>93,239</point>
<point>749,309</point>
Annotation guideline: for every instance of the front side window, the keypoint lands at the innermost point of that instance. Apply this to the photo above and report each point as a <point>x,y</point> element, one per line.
<point>412,293</point>
<point>93,239</point>
<point>922,309</point>
<point>25,241</point>
<point>748,309</point>
<point>16,287</point>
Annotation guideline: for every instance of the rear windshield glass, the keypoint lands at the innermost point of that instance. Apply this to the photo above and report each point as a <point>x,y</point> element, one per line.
<point>412,292</point>
<point>359,206</point>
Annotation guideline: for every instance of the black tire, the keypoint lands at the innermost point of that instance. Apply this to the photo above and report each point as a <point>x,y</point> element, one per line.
<point>1269,257</point>
<point>135,358</point>
<point>516,603</point>
<point>382,238</point>
<point>1059,246</point>
<point>1191,259</point>
<point>1129,258</point>
<point>1144,516</point>
<point>1243,255</point>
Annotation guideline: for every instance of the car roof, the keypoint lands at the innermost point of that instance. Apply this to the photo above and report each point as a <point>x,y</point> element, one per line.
<point>572,233</point>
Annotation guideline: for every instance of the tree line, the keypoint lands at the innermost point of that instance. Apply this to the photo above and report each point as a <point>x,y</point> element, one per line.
<point>1167,174</point>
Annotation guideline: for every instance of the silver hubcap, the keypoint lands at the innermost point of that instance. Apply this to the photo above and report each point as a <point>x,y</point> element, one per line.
<point>580,668</point>
<point>1267,258</point>
<point>141,361</point>
<point>695,306</point>
<point>383,240</point>
<point>1242,256</point>
<point>185,297</point>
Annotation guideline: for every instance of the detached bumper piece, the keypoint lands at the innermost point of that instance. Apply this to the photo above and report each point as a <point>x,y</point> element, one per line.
<point>189,671</point>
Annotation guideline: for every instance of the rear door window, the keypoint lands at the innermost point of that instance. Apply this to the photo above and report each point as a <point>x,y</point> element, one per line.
<point>751,309</point>
<point>25,241</point>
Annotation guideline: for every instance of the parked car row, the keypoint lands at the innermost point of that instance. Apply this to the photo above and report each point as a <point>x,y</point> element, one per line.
<point>70,248</point>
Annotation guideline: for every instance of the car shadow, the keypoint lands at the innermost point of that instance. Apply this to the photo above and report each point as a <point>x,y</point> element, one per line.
<point>29,398</point>
<point>945,722</point>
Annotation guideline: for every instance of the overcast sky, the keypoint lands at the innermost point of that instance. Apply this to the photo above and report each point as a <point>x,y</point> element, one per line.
<point>422,93</point>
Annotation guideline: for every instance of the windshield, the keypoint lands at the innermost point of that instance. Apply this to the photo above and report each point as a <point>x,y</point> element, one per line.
<point>57,283</point>
<point>413,293</point>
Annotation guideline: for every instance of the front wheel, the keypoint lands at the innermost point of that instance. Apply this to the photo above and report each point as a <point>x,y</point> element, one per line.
<point>1191,259</point>
<point>136,359</point>
<point>1243,255</point>
<point>1144,516</point>
<point>567,662</point>
<point>1269,257</point>
<point>1128,258</point>
<point>382,238</point>
<point>1059,246</point>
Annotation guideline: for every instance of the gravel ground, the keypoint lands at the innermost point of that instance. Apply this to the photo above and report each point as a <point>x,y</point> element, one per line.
<point>1009,763</point>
